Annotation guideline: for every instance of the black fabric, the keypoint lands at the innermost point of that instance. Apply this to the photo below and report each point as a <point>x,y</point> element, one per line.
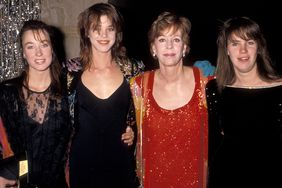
<point>215,129</point>
<point>251,151</point>
<point>44,143</point>
<point>9,168</point>
<point>72,72</point>
<point>98,156</point>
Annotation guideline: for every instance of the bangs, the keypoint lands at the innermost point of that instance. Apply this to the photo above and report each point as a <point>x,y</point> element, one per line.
<point>247,32</point>
<point>95,21</point>
<point>242,33</point>
<point>167,29</point>
<point>41,35</point>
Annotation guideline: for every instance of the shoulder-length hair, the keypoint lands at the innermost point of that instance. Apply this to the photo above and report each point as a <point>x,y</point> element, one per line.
<point>169,20</point>
<point>246,29</point>
<point>90,19</point>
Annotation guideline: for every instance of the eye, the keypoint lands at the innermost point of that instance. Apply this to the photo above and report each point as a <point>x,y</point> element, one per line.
<point>96,29</point>
<point>251,42</point>
<point>161,40</point>
<point>29,47</point>
<point>177,40</point>
<point>111,29</point>
<point>45,45</point>
<point>234,43</point>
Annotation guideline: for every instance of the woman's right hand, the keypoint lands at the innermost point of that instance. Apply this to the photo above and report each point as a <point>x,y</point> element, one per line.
<point>128,136</point>
<point>7,183</point>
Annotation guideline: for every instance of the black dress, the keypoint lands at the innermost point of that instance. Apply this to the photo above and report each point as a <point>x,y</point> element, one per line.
<point>98,156</point>
<point>245,136</point>
<point>38,124</point>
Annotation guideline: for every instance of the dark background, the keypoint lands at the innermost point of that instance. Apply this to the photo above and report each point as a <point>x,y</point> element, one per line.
<point>206,18</point>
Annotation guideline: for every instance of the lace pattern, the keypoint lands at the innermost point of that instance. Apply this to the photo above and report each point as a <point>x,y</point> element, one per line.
<point>37,103</point>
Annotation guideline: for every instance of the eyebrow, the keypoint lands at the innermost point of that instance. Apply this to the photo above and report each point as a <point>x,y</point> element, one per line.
<point>41,41</point>
<point>233,40</point>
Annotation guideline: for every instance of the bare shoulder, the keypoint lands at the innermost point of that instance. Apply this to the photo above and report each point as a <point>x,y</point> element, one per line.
<point>277,82</point>
<point>274,83</point>
<point>188,70</point>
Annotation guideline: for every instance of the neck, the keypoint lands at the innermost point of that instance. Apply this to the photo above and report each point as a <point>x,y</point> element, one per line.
<point>248,80</point>
<point>170,74</point>
<point>39,81</point>
<point>102,61</point>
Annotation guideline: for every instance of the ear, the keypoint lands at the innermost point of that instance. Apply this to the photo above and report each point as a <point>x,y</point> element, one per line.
<point>153,50</point>
<point>186,50</point>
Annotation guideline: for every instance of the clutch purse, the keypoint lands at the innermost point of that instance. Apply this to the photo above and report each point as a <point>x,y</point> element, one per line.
<point>15,167</point>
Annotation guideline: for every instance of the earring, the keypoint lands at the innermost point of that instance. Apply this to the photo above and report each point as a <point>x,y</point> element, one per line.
<point>183,55</point>
<point>154,54</point>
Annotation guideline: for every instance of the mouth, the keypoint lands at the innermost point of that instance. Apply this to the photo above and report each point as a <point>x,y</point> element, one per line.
<point>103,41</point>
<point>39,61</point>
<point>243,58</point>
<point>169,54</point>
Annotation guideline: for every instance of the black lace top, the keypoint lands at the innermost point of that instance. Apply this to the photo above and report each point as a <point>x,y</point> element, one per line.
<point>37,123</point>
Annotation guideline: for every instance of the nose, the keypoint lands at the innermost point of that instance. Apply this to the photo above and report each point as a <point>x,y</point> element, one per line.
<point>104,33</point>
<point>169,44</point>
<point>243,48</point>
<point>38,51</point>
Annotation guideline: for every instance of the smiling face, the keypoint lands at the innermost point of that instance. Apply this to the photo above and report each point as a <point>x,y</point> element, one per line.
<point>242,53</point>
<point>169,47</point>
<point>103,36</point>
<point>37,50</point>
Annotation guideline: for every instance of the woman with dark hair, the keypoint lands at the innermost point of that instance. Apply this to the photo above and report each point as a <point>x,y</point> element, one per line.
<point>34,112</point>
<point>245,110</point>
<point>100,154</point>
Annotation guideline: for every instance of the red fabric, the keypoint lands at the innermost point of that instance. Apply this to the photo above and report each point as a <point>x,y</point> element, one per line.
<point>175,142</point>
<point>7,151</point>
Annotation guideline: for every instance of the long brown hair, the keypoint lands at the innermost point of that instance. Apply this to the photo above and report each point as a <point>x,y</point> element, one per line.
<point>246,29</point>
<point>90,19</point>
<point>37,26</point>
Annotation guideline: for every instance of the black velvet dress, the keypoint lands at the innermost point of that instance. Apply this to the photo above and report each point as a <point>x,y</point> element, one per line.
<point>245,137</point>
<point>98,156</point>
<point>38,124</point>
